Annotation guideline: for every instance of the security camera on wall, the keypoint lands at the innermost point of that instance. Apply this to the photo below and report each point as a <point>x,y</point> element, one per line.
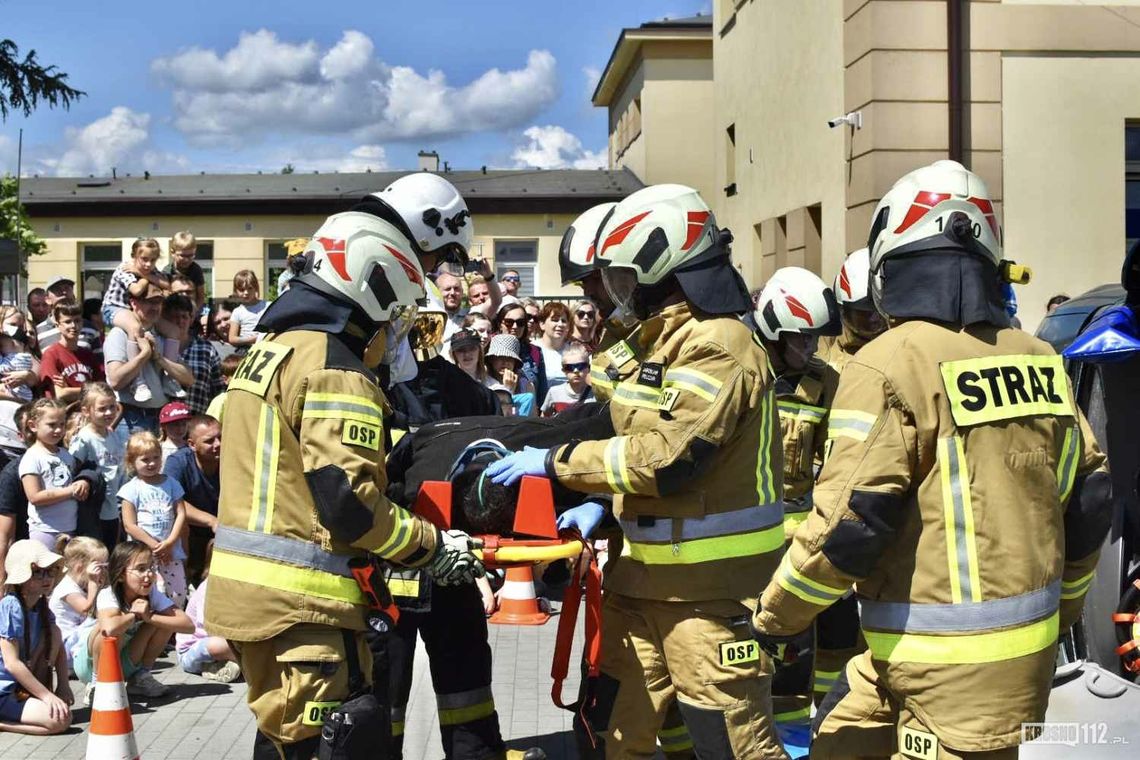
<point>854,119</point>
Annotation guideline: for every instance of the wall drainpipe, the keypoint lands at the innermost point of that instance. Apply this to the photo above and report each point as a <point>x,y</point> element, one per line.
<point>957,47</point>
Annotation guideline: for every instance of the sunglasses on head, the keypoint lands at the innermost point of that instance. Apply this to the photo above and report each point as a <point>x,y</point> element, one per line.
<point>576,367</point>
<point>584,314</point>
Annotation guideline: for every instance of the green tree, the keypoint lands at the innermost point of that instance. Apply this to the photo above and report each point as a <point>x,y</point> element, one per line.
<point>14,219</point>
<point>288,169</point>
<point>24,83</point>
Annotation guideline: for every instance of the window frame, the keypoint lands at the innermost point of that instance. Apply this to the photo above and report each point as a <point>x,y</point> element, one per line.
<point>519,266</point>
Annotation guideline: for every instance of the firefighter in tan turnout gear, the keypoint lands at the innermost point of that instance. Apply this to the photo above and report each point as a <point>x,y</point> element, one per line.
<point>303,493</point>
<point>793,311</point>
<point>963,495</point>
<point>696,472</point>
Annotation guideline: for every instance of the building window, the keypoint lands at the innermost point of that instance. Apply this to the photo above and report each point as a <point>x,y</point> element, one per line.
<point>276,262</point>
<point>204,255</point>
<point>99,262</point>
<point>730,160</point>
<point>521,256</point>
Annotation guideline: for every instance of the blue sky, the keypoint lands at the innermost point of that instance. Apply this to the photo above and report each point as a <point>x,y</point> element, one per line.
<point>247,85</point>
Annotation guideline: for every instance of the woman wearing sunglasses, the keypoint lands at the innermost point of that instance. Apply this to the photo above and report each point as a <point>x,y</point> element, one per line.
<point>513,320</point>
<point>584,324</point>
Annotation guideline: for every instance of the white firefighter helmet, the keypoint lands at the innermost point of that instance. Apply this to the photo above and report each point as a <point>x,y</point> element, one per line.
<point>940,206</point>
<point>433,210</point>
<point>796,301</point>
<point>577,254</point>
<point>652,234</point>
<point>852,284</point>
<point>367,261</point>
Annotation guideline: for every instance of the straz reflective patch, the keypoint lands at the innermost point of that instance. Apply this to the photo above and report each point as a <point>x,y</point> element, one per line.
<point>996,388</point>
<point>922,745</point>
<point>317,712</point>
<point>361,434</point>
<point>619,354</point>
<point>258,367</point>
<point>739,652</point>
<point>669,398</point>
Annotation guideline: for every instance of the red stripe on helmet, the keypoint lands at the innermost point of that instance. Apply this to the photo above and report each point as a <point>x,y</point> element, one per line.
<point>798,309</point>
<point>335,253</point>
<point>696,223</point>
<point>922,203</point>
<point>410,269</point>
<point>621,232</point>
<point>590,252</point>
<point>987,208</point>
<point>844,283</point>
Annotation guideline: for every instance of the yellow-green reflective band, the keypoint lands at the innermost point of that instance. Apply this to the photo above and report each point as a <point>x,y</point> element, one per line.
<point>597,377</point>
<point>958,512</point>
<point>1067,463</point>
<point>812,592</point>
<point>793,716</point>
<point>850,423</point>
<point>397,728</point>
<point>465,707</point>
<point>792,522</point>
<point>765,483</point>
<point>342,406</point>
<point>995,388</point>
<point>631,394</point>
<point>403,587</point>
<point>674,733</point>
<point>969,649</point>
<point>707,549</point>
<point>265,470</point>
<point>705,386</point>
<point>401,536</point>
<point>824,679</point>
<point>613,459</point>
<point>281,577</point>
<point>799,411</point>
<point>1076,588</point>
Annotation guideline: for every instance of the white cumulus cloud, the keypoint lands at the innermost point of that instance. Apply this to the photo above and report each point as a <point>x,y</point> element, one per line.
<point>333,158</point>
<point>552,147</point>
<point>593,75</point>
<point>264,85</point>
<point>119,140</point>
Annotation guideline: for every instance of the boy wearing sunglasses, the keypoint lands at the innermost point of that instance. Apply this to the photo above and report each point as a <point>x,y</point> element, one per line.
<point>576,389</point>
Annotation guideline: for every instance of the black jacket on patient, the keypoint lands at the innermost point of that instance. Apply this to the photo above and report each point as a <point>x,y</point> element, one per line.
<point>478,505</point>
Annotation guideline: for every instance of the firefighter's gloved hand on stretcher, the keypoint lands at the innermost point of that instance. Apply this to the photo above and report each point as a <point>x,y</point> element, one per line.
<point>510,469</point>
<point>584,518</point>
<point>454,562</point>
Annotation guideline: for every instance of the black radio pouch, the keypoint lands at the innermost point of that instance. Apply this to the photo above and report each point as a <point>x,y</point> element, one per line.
<point>356,729</point>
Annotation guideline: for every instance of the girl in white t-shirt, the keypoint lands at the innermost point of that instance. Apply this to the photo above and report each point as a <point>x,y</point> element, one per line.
<point>73,598</point>
<point>46,471</point>
<point>243,321</point>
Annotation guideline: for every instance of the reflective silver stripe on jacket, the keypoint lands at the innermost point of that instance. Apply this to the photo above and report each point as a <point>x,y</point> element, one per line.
<point>280,549</point>
<point>720,524</point>
<point>903,617</point>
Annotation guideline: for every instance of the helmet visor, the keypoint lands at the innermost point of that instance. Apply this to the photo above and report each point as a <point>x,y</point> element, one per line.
<point>864,322</point>
<point>403,317</point>
<point>620,283</point>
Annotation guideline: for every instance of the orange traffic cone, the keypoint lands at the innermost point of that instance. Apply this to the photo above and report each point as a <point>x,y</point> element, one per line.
<point>517,602</point>
<point>112,730</point>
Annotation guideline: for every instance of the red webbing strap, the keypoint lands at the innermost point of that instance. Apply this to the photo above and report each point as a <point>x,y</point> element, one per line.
<point>568,620</point>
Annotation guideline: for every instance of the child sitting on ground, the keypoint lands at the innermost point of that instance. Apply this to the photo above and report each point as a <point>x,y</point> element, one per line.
<point>30,646</point>
<point>73,598</point>
<point>202,654</point>
<point>154,512</point>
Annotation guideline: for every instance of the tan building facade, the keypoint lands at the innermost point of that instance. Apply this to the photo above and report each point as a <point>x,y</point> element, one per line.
<point>1038,97</point>
<point>242,221</point>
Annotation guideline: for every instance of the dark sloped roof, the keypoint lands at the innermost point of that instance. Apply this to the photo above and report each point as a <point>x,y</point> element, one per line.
<point>551,190</point>
<point>688,22</point>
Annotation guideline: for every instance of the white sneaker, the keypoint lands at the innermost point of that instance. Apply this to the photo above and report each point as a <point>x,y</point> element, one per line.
<point>222,672</point>
<point>171,387</point>
<point>143,683</point>
<point>140,392</point>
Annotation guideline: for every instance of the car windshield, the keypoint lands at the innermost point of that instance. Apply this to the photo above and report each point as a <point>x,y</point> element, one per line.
<point>1059,329</point>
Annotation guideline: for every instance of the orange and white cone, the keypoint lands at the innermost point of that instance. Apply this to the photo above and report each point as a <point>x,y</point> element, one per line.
<point>518,604</point>
<point>112,734</point>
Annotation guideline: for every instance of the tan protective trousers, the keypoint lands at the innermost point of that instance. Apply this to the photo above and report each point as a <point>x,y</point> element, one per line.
<point>867,722</point>
<point>697,653</point>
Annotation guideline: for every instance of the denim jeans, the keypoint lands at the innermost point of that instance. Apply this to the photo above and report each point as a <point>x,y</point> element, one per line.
<point>137,419</point>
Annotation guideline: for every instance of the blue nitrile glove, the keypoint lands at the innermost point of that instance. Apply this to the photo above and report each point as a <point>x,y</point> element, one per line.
<point>584,518</point>
<point>508,470</point>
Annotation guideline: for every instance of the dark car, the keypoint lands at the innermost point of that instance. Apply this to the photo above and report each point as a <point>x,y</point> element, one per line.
<point>1064,323</point>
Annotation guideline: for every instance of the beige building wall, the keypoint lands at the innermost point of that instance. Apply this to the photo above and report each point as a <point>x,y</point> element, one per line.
<point>242,242</point>
<point>778,78</point>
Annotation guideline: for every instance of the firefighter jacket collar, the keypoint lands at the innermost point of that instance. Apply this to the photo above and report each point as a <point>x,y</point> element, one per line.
<point>715,288</point>
<point>303,307</point>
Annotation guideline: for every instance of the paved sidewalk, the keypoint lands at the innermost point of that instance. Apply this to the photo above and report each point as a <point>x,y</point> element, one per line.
<point>210,721</point>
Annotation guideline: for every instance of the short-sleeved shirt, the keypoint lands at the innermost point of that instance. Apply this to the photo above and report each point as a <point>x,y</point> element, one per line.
<point>47,334</point>
<point>115,350</point>
<point>55,470</point>
<point>13,499</point>
<point>193,273</point>
<point>201,489</point>
<point>67,617</point>
<point>154,507</point>
<point>75,367</point>
<point>109,452</point>
<point>106,600</point>
<point>13,620</point>
<point>562,396</point>
<point>247,317</point>
<point>17,362</point>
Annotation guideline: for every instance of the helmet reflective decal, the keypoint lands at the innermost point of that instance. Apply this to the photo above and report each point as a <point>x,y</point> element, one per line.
<point>797,309</point>
<point>924,202</point>
<point>844,282</point>
<point>696,222</point>
<point>410,269</point>
<point>621,232</point>
<point>334,252</point>
<point>986,208</point>
<point>590,252</point>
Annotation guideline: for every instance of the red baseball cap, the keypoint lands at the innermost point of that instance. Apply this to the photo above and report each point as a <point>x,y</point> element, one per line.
<point>173,412</point>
